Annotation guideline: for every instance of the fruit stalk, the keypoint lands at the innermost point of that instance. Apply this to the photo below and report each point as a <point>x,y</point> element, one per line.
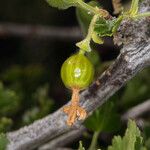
<point>74,111</point>
<point>75,97</point>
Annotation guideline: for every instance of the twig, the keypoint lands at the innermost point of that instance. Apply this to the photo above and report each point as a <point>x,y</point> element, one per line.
<point>134,56</point>
<point>64,139</point>
<point>39,31</point>
<point>137,111</point>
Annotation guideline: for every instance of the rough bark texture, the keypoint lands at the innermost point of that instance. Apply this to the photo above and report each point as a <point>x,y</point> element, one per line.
<point>134,56</point>
<point>63,139</point>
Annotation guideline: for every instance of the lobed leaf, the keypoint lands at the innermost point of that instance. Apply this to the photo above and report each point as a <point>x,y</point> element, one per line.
<point>131,141</point>
<point>105,27</point>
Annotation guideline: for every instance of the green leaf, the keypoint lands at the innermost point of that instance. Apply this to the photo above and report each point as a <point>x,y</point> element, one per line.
<point>3,141</point>
<point>105,27</point>
<point>81,146</point>
<point>131,141</point>
<point>9,101</point>
<point>84,18</point>
<point>5,124</point>
<point>104,119</point>
<point>84,45</point>
<point>62,4</point>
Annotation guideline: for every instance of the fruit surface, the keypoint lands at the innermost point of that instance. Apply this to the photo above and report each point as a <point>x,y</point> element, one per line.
<point>77,71</point>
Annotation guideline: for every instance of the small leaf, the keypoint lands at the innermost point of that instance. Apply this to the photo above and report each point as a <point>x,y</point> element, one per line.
<point>84,45</point>
<point>131,141</point>
<point>104,27</point>
<point>3,141</point>
<point>62,4</point>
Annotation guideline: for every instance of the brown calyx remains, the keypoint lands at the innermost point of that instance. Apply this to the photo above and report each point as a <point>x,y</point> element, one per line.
<point>117,6</point>
<point>74,111</point>
<point>104,13</point>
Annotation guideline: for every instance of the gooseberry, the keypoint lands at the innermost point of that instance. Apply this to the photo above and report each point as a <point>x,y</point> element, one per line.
<point>77,73</point>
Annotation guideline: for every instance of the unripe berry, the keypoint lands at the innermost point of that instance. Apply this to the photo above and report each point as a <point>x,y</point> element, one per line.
<point>77,71</point>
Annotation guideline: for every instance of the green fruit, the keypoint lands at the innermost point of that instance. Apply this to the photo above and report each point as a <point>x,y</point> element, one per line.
<point>77,71</point>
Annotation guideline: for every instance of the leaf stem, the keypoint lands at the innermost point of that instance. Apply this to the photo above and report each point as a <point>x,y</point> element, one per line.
<point>84,45</point>
<point>134,7</point>
<point>146,14</point>
<point>87,7</point>
<point>94,141</point>
<point>91,27</point>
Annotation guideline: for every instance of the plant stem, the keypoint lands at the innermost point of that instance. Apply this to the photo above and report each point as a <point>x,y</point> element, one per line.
<point>134,7</point>
<point>146,14</point>
<point>87,7</point>
<point>84,45</point>
<point>91,27</point>
<point>94,141</point>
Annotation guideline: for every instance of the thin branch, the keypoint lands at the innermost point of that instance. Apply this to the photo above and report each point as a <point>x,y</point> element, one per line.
<point>134,56</point>
<point>137,111</point>
<point>64,139</point>
<point>39,31</point>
